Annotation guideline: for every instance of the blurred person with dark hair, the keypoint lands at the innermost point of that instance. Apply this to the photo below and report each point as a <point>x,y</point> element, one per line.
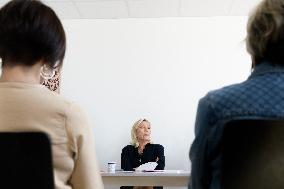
<point>32,47</point>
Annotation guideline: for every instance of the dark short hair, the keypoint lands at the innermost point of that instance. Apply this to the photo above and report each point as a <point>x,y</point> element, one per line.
<point>265,32</point>
<point>30,31</point>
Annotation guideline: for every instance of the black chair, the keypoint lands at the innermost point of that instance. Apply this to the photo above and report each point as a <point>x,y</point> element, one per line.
<point>253,154</point>
<point>25,161</point>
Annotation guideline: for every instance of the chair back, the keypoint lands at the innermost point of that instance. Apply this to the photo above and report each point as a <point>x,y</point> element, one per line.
<point>253,154</point>
<point>25,161</point>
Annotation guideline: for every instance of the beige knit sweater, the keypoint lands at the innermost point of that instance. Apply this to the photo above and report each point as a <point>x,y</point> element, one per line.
<point>28,107</point>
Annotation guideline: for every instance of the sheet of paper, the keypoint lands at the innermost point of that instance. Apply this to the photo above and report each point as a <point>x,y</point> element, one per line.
<point>150,166</point>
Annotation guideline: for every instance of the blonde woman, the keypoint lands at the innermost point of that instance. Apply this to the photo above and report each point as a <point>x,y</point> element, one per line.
<point>142,150</point>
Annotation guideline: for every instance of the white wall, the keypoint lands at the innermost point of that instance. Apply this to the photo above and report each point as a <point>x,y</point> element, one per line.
<point>125,69</point>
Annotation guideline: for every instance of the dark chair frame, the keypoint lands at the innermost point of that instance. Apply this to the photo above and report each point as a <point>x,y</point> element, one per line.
<point>25,161</point>
<point>253,154</point>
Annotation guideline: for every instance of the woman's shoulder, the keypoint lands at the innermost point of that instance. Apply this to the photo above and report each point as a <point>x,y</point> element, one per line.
<point>156,145</point>
<point>159,146</point>
<point>128,147</point>
<point>67,107</point>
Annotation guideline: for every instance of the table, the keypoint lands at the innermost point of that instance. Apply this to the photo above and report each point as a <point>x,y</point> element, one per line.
<point>166,178</point>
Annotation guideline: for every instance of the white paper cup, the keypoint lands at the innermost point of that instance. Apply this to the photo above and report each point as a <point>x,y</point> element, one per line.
<point>111,167</point>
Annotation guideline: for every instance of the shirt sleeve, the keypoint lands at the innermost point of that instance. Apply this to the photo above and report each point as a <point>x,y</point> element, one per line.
<point>161,157</point>
<point>86,174</point>
<point>200,162</point>
<point>126,160</point>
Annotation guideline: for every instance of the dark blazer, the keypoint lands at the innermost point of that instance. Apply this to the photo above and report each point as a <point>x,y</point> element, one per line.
<point>130,158</point>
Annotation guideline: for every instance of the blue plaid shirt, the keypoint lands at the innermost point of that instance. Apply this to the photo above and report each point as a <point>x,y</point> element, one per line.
<point>260,96</point>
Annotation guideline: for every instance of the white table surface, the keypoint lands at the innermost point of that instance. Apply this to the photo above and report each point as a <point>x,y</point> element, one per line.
<point>165,178</point>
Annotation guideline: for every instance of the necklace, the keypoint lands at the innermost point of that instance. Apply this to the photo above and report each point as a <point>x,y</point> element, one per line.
<point>140,151</point>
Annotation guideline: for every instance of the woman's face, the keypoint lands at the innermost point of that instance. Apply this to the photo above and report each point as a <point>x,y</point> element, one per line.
<point>143,131</point>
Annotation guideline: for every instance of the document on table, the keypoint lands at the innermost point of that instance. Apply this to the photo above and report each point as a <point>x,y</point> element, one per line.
<point>150,166</point>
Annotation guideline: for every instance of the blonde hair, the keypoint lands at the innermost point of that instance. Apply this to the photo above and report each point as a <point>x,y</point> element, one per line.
<point>134,140</point>
<point>265,32</point>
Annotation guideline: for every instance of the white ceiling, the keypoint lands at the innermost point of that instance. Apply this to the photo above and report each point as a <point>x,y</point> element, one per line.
<point>92,9</point>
